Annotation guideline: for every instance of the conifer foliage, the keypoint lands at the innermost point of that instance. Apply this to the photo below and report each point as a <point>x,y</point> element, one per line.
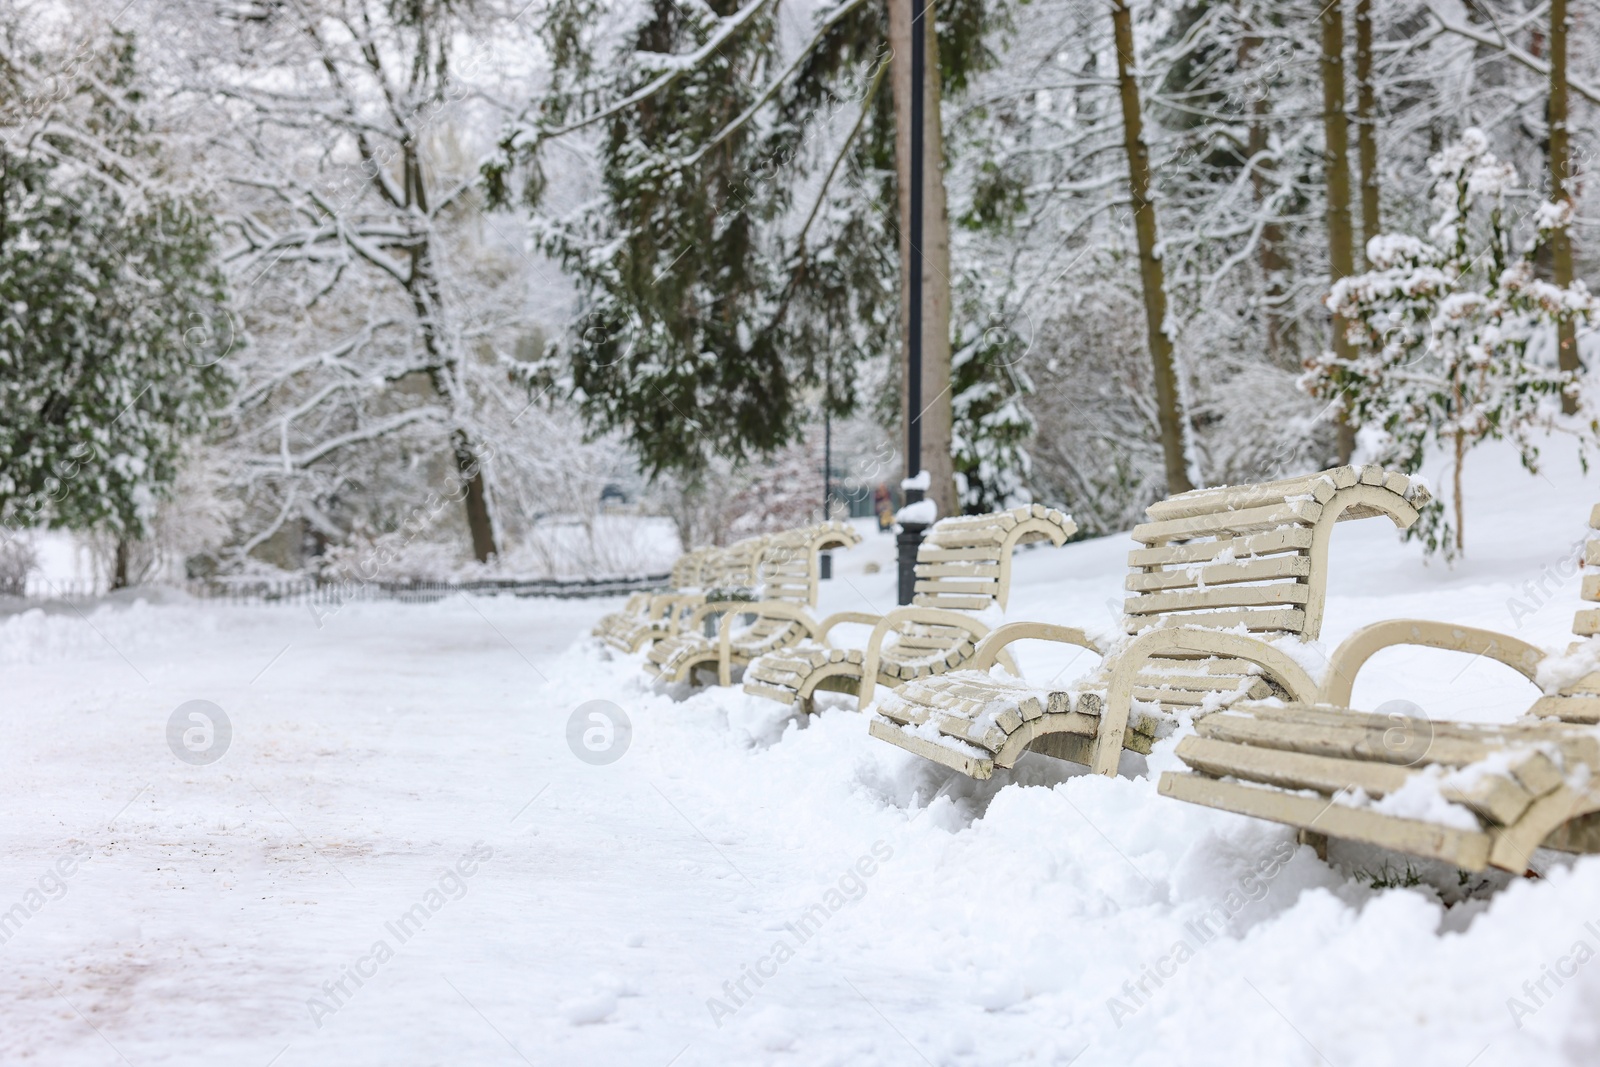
<point>112,311</point>
<point>736,270</point>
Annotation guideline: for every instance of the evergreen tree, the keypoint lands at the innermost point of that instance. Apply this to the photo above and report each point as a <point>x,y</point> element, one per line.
<point>111,317</point>
<point>737,269</point>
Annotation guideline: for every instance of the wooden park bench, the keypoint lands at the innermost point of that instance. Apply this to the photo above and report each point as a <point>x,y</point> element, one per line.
<point>625,629</point>
<point>785,579</point>
<point>1244,564</point>
<point>725,574</point>
<point>1474,795</point>
<point>963,575</point>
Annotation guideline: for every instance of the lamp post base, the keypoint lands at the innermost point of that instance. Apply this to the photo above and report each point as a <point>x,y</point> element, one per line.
<point>908,540</point>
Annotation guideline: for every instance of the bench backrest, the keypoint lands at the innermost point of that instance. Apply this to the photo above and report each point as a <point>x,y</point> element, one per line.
<point>1578,700</point>
<point>735,569</point>
<point>790,563</point>
<point>964,563</point>
<point>1254,555</point>
<point>1587,622</point>
<point>686,569</point>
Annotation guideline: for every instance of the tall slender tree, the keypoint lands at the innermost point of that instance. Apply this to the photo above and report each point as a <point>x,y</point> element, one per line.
<point>1151,273</point>
<point>1336,164</point>
<point>1560,160</point>
<point>1367,128</point>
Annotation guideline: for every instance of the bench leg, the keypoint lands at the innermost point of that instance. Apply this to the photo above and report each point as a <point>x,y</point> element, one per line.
<point>1318,843</point>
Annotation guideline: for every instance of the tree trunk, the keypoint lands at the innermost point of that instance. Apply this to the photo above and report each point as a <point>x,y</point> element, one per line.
<point>470,467</point>
<point>1366,128</point>
<point>935,407</point>
<point>1151,273</point>
<point>1460,504</point>
<point>1269,255</point>
<point>1336,166</point>
<point>1560,154</point>
<point>119,567</point>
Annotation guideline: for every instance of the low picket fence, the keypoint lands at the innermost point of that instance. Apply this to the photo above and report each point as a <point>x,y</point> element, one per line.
<point>247,590</point>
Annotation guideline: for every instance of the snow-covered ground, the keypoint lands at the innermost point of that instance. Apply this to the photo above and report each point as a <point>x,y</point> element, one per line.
<point>400,860</point>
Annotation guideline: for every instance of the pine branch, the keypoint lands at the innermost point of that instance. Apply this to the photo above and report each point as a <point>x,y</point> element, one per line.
<point>681,65</point>
<point>777,83</point>
<point>822,194</point>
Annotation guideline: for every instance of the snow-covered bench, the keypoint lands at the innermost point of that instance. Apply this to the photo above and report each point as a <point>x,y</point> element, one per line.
<point>786,576</point>
<point>1248,564</point>
<point>963,574</point>
<point>724,574</point>
<point>627,629</point>
<point>1468,794</point>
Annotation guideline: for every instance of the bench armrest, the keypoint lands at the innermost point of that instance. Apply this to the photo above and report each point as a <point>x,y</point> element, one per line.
<point>933,616</point>
<point>772,609</point>
<point>1353,653</point>
<point>990,648</point>
<point>1125,665</point>
<point>863,618</point>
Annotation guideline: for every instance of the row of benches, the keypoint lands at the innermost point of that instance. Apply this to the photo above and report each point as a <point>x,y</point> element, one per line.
<point>1225,587</point>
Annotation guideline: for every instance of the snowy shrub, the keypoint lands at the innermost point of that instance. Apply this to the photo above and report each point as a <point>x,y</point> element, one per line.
<point>990,426</point>
<point>17,560</point>
<point>1452,338</point>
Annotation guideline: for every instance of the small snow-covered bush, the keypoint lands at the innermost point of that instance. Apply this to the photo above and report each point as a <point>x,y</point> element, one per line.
<point>17,561</point>
<point>1452,338</point>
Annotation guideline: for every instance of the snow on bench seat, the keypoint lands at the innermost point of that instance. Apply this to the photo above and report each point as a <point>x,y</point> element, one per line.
<point>1469,794</point>
<point>788,572</point>
<point>963,578</point>
<point>646,616</point>
<point>1246,560</point>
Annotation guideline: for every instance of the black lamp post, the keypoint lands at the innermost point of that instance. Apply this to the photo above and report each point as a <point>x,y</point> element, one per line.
<point>825,561</point>
<point>910,536</point>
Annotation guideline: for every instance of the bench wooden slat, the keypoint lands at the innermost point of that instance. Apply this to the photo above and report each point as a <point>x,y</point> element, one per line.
<point>933,554</point>
<point>1346,742</point>
<point>1268,620</point>
<point>1261,544</point>
<point>1267,517</point>
<point>1574,708</point>
<point>972,569</point>
<point>951,601</point>
<point>1498,798</point>
<point>1291,770</point>
<point>969,587</point>
<point>1248,570</point>
<point>1220,499</point>
<point>1464,848</point>
<point>1226,596</point>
